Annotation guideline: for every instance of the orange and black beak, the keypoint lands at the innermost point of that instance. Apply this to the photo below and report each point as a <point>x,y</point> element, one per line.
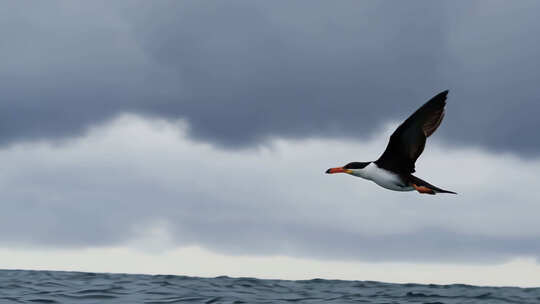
<point>337,170</point>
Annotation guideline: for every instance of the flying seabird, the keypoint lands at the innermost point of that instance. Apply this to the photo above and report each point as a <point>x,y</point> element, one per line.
<point>393,169</point>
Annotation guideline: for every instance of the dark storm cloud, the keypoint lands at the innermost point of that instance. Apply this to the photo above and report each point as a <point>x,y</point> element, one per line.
<point>311,68</point>
<point>243,71</point>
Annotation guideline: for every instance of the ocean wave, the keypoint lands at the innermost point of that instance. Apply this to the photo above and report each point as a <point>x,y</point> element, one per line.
<point>21,286</point>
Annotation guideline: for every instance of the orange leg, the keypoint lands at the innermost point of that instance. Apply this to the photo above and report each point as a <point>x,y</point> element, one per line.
<point>423,189</point>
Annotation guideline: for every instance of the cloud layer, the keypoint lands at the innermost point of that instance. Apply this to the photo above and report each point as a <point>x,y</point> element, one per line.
<point>244,72</point>
<point>133,176</point>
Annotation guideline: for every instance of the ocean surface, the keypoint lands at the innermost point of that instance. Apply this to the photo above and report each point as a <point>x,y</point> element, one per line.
<point>21,286</point>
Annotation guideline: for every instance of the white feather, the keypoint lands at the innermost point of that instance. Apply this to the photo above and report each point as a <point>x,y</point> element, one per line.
<point>382,177</point>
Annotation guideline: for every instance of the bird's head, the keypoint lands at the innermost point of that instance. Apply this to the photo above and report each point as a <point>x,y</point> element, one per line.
<point>350,168</point>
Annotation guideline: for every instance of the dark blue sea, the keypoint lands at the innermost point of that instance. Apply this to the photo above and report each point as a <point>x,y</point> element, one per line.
<point>21,286</point>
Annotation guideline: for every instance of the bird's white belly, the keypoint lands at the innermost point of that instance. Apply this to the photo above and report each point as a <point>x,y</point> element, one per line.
<point>384,178</point>
<point>391,181</point>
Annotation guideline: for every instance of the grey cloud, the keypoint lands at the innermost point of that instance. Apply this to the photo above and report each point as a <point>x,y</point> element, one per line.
<point>107,220</point>
<point>106,189</point>
<point>93,223</point>
<point>297,239</point>
<point>242,71</point>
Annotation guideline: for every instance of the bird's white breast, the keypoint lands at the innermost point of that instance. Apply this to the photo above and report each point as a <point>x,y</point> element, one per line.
<point>382,177</point>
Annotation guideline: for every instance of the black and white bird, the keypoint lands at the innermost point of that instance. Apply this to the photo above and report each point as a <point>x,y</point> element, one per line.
<point>393,170</point>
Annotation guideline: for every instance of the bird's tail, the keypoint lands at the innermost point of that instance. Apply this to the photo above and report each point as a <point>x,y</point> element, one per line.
<point>422,185</point>
<point>439,190</point>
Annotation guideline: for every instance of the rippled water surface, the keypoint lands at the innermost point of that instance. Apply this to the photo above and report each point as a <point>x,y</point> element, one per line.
<point>18,286</point>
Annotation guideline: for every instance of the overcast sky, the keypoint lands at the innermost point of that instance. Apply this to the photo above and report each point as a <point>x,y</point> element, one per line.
<point>161,126</point>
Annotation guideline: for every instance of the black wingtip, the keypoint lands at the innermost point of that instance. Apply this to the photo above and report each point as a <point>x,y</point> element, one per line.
<point>439,98</point>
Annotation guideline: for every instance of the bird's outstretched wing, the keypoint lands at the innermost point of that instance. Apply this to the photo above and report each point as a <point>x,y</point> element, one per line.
<point>408,140</point>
